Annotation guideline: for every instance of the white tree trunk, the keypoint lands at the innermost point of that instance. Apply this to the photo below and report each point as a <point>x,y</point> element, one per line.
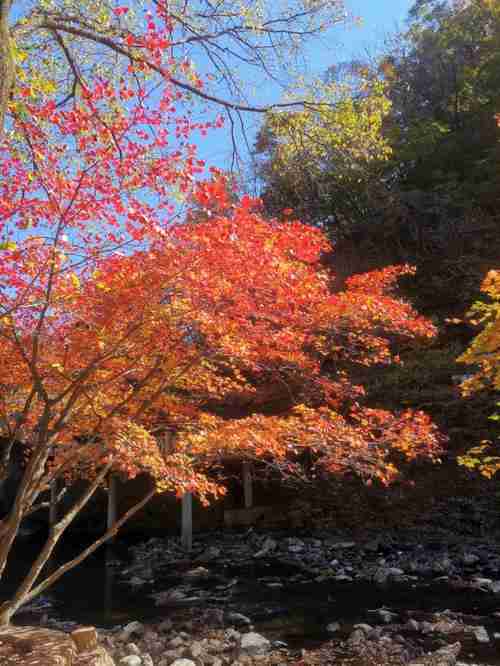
<point>187,521</point>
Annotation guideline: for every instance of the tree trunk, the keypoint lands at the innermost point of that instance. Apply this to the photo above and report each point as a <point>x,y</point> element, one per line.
<point>7,65</point>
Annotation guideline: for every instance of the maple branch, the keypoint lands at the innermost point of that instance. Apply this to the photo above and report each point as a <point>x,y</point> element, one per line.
<point>130,55</point>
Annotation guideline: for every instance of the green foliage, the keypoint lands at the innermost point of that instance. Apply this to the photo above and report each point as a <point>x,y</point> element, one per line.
<point>323,160</point>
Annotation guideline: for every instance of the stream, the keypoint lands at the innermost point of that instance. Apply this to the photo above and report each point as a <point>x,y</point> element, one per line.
<point>284,601</point>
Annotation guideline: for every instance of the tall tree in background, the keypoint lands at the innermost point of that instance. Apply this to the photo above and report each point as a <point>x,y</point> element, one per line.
<point>425,113</point>
<point>444,83</point>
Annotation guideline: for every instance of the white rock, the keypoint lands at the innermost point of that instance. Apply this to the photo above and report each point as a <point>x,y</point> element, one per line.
<point>183,662</point>
<point>254,644</point>
<point>481,635</point>
<point>131,660</point>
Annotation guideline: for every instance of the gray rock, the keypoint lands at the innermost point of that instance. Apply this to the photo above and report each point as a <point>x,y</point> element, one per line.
<point>254,644</point>
<point>333,627</point>
<point>366,628</point>
<point>357,637</point>
<point>211,553</point>
<point>268,547</point>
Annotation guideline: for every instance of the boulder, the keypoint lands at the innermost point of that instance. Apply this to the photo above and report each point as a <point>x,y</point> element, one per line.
<point>32,646</point>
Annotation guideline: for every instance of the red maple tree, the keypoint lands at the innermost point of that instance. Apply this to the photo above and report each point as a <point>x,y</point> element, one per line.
<point>118,321</point>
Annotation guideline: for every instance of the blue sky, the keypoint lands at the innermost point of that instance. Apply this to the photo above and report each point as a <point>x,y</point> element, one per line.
<point>378,18</point>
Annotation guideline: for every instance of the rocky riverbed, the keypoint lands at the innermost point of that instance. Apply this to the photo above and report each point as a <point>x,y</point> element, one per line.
<point>304,598</point>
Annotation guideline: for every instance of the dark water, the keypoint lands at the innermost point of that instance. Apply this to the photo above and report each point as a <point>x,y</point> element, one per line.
<point>96,593</point>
